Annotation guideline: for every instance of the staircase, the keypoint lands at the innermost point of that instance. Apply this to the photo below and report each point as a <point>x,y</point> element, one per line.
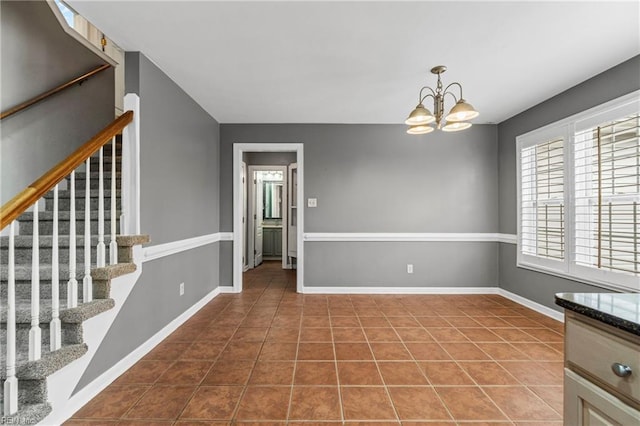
<point>32,375</point>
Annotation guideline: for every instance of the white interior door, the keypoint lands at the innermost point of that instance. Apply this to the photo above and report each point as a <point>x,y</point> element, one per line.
<point>258,219</point>
<point>293,211</point>
<point>245,258</point>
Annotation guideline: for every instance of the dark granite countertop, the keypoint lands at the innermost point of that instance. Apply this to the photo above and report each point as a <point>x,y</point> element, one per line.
<point>620,310</point>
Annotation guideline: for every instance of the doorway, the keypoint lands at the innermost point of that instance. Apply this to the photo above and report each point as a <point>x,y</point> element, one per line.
<point>267,222</point>
<point>295,214</point>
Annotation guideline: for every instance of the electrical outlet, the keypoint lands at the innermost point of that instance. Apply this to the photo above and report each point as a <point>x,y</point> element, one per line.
<point>181,289</point>
<point>312,202</point>
<point>409,268</point>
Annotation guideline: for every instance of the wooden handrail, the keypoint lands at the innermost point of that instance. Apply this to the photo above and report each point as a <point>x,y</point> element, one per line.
<point>52,92</point>
<point>21,202</point>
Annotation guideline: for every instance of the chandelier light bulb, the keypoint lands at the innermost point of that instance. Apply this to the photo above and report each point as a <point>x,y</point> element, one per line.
<point>455,126</point>
<point>420,130</point>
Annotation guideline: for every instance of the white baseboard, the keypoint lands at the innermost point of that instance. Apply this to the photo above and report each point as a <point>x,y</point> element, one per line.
<point>224,289</point>
<point>87,393</point>
<point>559,316</point>
<point>400,290</point>
<point>551,313</point>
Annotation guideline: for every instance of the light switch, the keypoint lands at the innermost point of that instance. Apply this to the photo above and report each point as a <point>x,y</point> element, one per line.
<point>312,202</point>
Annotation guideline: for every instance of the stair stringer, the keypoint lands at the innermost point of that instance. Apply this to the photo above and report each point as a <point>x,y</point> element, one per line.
<point>62,383</point>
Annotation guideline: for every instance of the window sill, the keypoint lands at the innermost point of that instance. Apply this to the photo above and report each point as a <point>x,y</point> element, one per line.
<point>589,281</point>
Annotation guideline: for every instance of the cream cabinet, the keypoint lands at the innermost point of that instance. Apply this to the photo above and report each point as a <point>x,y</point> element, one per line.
<point>602,374</point>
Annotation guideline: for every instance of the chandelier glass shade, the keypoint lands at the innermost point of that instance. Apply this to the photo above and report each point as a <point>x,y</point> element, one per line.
<point>421,120</point>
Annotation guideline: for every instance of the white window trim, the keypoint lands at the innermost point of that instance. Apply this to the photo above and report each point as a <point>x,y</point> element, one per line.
<point>566,128</point>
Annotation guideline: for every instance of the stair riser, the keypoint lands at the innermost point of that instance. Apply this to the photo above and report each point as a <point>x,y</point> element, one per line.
<point>81,184</point>
<point>24,274</point>
<point>71,334</point>
<point>29,392</point>
<point>46,227</point>
<point>106,165</point>
<point>64,203</point>
<point>23,291</point>
<point>24,254</point>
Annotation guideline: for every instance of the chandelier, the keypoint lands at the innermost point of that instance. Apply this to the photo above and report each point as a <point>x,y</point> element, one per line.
<point>420,120</point>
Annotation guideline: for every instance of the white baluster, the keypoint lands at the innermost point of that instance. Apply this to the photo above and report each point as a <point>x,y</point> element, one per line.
<point>11,384</point>
<point>101,248</point>
<point>87,281</point>
<point>35,334</point>
<point>113,245</point>
<point>55,328</point>
<point>72,284</point>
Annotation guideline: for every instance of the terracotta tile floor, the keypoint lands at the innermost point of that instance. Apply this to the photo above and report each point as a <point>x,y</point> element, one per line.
<point>271,355</point>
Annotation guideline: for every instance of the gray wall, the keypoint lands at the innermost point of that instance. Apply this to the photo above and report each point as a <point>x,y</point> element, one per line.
<point>376,178</point>
<point>179,199</point>
<point>615,82</point>
<point>33,62</point>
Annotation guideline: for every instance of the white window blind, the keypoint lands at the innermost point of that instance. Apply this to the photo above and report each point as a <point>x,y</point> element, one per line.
<point>542,198</point>
<point>607,194</point>
<point>579,196</point>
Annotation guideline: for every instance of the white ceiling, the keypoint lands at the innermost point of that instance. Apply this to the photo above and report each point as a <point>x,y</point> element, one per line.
<point>364,62</point>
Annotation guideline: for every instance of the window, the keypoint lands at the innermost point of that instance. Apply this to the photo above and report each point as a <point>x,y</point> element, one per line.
<point>543,199</point>
<point>579,196</point>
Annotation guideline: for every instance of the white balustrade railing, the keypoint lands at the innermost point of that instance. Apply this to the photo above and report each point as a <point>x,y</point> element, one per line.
<point>87,281</point>
<point>72,284</point>
<point>11,383</point>
<point>113,244</point>
<point>55,327</point>
<point>35,334</point>
<point>100,261</point>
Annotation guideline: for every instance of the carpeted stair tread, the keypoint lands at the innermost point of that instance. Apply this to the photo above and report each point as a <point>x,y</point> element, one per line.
<point>80,194</point>
<point>23,272</point>
<point>75,315</point>
<point>49,363</point>
<point>21,241</point>
<point>66,215</point>
<point>132,240</point>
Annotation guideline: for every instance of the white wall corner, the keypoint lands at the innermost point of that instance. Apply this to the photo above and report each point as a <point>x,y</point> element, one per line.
<point>551,313</point>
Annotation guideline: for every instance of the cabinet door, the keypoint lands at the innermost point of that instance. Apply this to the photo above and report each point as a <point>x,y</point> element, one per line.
<point>277,242</point>
<point>267,242</point>
<point>586,404</point>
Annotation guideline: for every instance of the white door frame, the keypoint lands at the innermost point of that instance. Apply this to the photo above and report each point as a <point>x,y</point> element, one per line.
<point>245,215</point>
<point>238,150</point>
<point>252,204</point>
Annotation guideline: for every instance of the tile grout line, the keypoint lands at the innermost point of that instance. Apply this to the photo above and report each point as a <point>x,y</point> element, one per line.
<point>375,360</point>
<point>335,362</point>
<point>423,372</point>
<point>295,362</point>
